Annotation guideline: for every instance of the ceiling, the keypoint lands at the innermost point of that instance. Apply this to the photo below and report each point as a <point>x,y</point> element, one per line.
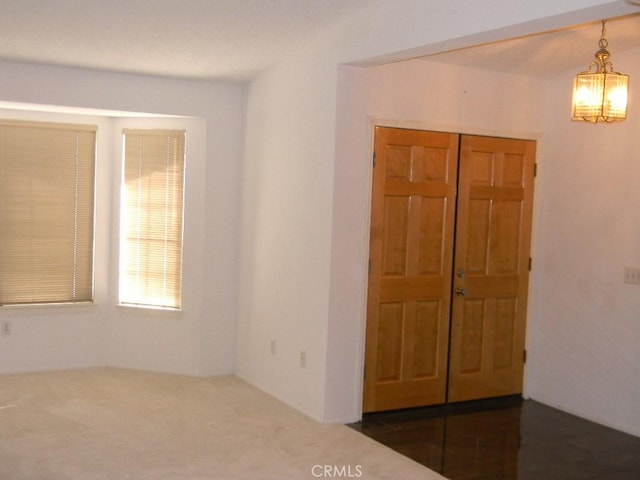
<point>206,39</point>
<point>549,53</point>
<point>235,39</point>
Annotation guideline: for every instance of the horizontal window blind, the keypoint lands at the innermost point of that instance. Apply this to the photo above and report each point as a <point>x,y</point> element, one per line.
<point>151,218</point>
<point>47,174</point>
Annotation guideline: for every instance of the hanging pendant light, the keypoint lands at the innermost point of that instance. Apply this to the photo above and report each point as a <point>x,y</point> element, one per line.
<point>600,94</point>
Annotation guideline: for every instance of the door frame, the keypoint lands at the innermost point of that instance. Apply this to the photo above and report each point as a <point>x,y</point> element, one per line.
<point>372,123</point>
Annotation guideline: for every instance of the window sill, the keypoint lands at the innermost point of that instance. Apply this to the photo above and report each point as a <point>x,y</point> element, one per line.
<point>47,305</point>
<point>150,307</point>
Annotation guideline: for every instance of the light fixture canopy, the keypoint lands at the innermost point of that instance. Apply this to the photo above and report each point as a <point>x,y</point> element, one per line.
<point>600,94</point>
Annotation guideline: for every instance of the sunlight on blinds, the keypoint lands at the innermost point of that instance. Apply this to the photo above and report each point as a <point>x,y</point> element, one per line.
<point>151,218</point>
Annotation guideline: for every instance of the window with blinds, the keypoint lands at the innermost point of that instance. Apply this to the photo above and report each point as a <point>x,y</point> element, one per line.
<point>47,174</point>
<point>151,218</point>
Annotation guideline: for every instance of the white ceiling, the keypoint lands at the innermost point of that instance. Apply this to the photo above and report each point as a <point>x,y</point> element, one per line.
<point>549,53</point>
<point>224,39</point>
<point>235,39</point>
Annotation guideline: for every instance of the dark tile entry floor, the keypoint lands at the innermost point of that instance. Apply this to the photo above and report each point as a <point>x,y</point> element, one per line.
<point>506,439</point>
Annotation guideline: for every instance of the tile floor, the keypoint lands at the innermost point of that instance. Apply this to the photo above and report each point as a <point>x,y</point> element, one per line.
<point>506,439</point>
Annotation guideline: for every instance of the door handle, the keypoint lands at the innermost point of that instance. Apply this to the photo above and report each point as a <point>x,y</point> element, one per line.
<point>461,292</point>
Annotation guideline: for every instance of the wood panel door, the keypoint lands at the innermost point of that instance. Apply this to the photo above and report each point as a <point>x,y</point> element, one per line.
<point>440,330</point>
<point>493,232</point>
<point>411,253</point>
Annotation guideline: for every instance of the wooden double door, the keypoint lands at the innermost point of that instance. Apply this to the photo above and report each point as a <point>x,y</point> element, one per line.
<point>449,267</point>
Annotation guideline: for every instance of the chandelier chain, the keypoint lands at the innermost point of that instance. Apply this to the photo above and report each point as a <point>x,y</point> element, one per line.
<point>603,41</point>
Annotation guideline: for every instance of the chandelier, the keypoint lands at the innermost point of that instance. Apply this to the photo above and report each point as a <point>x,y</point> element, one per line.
<point>600,94</point>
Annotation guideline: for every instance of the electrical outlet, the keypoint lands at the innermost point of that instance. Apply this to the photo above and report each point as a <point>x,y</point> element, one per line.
<point>273,347</point>
<point>632,275</point>
<point>303,359</point>
<point>5,328</point>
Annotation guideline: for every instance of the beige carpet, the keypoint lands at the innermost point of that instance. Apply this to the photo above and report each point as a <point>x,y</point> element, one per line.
<point>116,424</point>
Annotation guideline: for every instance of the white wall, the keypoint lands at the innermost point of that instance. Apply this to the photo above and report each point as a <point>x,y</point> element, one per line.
<point>585,324</point>
<point>200,339</point>
<point>583,331</point>
<point>305,202</point>
<point>286,231</point>
<point>413,94</point>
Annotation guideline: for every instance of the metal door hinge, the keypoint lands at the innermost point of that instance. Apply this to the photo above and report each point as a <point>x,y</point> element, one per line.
<point>374,159</point>
<point>530,263</point>
<point>524,356</point>
<point>535,169</point>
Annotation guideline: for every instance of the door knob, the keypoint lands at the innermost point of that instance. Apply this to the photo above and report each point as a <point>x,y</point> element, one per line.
<point>461,292</point>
